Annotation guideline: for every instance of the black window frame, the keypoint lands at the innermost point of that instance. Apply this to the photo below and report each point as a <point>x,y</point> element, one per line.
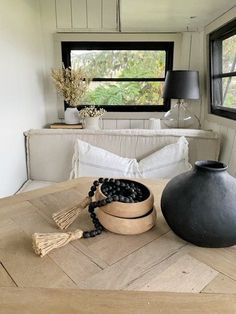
<point>215,54</point>
<point>168,47</point>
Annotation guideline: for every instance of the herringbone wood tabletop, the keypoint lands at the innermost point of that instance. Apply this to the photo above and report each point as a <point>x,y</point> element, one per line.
<point>153,261</point>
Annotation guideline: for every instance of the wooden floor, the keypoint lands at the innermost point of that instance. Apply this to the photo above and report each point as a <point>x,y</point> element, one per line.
<point>154,261</point>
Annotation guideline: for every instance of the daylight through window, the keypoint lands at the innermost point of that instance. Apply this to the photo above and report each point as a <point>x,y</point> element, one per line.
<point>223,71</point>
<point>125,75</point>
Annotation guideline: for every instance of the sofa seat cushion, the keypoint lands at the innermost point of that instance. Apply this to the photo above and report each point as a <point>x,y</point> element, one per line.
<point>30,185</point>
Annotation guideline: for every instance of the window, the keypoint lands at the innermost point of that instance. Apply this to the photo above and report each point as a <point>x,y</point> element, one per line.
<point>223,70</point>
<point>127,76</point>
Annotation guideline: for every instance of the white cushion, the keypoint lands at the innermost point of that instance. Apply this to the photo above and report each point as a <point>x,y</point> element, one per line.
<point>167,162</point>
<point>92,161</point>
<point>89,160</point>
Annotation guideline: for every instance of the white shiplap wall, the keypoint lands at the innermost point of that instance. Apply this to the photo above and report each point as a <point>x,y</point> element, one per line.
<point>228,144</point>
<point>86,15</point>
<point>125,124</point>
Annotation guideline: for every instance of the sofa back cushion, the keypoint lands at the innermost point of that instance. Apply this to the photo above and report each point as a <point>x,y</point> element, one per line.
<point>49,152</point>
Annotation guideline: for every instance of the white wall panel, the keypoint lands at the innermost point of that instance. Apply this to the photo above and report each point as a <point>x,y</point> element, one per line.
<point>123,124</point>
<point>146,124</point>
<point>94,14</point>
<point>48,26</point>
<point>79,13</point>
<point>63,13</point>
<point>109,124</point>
<point>209,125</point>
<point>109,14</point>
<point>227,145</point>
<point>137,124</point>
<point>232,161</point>
<point>22,94</point>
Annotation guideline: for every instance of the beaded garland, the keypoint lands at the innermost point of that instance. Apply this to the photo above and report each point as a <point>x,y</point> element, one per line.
<point>115,190</point>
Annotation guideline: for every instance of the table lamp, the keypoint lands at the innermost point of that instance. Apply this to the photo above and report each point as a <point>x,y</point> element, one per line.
<point>180,85</point>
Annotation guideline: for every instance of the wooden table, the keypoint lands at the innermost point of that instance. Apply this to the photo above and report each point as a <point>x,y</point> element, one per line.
<point>170,272</point>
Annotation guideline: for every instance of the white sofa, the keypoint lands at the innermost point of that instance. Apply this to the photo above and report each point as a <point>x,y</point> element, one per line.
<point>49,152</point>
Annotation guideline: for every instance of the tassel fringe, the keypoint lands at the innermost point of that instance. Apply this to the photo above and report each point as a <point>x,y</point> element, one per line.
<point>65,217</point>
<point>43,243</point>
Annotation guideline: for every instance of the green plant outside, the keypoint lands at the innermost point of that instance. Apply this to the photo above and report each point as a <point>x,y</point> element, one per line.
<point>123,64</point>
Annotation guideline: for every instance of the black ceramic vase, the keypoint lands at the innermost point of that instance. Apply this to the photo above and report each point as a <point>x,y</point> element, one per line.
<point>200,205</point>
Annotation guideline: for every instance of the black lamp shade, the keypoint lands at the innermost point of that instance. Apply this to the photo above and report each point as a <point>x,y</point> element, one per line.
<point>181,85</point>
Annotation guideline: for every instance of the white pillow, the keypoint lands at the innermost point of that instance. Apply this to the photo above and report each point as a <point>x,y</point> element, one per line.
<point>167,162</point>
<point>92,161</point>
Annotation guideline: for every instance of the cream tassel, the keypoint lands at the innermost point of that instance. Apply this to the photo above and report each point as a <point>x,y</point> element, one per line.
<point>65,217</point>
<point>43,243</point>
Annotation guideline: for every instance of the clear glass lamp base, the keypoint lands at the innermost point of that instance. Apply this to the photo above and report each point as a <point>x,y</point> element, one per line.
<point>180,117</point>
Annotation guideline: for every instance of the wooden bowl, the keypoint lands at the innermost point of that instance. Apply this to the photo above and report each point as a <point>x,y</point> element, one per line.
<point>127,226</point>
<point>128,210</point>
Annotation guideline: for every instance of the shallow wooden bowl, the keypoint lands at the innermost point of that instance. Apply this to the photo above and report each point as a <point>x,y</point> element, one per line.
<point>128,210</point>
<point>127,226</point>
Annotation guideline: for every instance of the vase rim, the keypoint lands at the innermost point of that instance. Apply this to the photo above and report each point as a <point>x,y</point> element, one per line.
<point>211,165</point>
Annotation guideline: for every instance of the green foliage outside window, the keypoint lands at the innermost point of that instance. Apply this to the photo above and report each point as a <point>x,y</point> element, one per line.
<point>122,64</point>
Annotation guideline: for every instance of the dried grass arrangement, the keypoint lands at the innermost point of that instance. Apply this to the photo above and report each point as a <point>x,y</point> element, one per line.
<point>72,84</point>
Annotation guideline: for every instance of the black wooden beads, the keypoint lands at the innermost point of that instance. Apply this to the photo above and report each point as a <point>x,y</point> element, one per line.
<point>115,190</point>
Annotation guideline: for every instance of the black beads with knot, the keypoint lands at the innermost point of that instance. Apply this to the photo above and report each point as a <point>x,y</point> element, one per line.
<point>115,190</point>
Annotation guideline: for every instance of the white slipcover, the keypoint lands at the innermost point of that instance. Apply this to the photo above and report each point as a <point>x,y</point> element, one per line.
<point>49,152</point>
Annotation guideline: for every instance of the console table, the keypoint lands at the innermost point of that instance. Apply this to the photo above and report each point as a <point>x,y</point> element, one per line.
<point>156,269</point>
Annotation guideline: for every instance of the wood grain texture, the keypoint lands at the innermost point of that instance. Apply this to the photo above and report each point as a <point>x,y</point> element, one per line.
<point>223,260</point>
<point>30,223</point>
<point>5,278</point>
<point>127,226</point>
<point>185,275</point>
<point>26,269</point>
<point>221,284</point>
<point>156,260</point>
<point>64,301</point>
<point>119,275</point>
<point>106,248</point>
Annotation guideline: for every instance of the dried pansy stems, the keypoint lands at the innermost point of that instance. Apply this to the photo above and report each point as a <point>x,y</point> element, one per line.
<point>43,243</point>
<point>65,217</point>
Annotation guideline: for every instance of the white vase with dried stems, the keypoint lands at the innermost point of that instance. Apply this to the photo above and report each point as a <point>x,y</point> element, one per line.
<point>72,85</point>
<point>92,117</point>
